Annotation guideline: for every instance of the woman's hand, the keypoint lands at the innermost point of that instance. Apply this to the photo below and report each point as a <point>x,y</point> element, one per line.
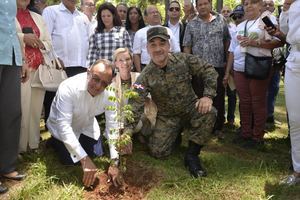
<point>225,79</point>
<point>32,40</point>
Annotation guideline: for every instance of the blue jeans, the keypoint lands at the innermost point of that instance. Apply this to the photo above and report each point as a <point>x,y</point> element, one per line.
<point>272,92</point>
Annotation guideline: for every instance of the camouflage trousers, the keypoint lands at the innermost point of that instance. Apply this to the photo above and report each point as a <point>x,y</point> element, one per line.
<point>162,138</point>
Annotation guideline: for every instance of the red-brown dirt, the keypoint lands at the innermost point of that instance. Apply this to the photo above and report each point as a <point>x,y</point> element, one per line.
<point>138,180</point>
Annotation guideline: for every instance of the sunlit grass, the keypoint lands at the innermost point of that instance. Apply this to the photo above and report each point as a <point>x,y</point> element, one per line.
<point>233,172</point>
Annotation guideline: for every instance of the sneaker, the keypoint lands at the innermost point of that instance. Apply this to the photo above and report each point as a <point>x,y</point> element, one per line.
<point>290,180</point>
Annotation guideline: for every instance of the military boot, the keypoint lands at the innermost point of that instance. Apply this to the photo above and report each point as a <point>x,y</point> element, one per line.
<point>192,161</point>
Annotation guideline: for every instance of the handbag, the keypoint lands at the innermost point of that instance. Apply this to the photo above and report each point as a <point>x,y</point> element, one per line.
<point>49,74</point>
<point>257,67</point>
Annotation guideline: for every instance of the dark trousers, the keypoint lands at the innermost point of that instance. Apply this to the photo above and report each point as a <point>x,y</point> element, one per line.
<point>72,71</point>
<point>231,98</point>
<point>273,91</point>
<point>10,116</point>
<point>218,101</point>
<point>49,96</point>
<point>59,147</point>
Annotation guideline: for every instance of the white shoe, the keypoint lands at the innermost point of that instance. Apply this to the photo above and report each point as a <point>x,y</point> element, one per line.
<point>290,180</point>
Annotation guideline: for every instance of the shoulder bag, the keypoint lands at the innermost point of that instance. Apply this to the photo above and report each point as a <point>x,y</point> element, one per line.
<point>257,67</point>
<point>49,74</point>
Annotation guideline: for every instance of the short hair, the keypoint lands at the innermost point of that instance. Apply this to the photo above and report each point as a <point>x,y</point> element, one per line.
<point>174,1</point>
<point>122,4</point>
<point>108,65</point>
<point>210,1</point>
<point>116,19</point>
<point>141,20</point>
<point>254,1</point>
<point>121,50</point>
<point>146,12</point>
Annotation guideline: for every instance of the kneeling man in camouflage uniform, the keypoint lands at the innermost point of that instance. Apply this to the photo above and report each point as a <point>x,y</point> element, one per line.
<point>168,79</point>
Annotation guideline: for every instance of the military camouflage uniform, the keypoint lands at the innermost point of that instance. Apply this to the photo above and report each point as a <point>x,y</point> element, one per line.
<point>171,90</point>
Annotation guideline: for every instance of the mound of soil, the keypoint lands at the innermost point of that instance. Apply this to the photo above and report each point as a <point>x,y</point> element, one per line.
<point>138,180</point>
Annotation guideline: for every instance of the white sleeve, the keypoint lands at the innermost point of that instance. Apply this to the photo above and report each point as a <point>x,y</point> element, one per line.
<point>49,19</point>
<point>137,43</point>
<point>60,119</point>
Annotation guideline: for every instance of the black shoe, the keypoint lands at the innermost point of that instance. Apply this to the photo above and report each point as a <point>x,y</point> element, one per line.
<point>254,144</point>
<point>192,161</point>
<point>194,166</point>
<point>239,140</point>
<point>270,120</point>
<point>3,189</point>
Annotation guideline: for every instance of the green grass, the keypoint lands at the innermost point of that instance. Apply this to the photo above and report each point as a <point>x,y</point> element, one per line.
<point>233,172</point>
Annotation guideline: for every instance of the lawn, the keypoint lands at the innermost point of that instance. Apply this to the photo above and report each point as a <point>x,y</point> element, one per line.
<point>233,172</point>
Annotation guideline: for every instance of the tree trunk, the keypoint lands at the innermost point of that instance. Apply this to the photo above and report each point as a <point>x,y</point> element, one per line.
<point>167,2</point>
<point>219,5</point>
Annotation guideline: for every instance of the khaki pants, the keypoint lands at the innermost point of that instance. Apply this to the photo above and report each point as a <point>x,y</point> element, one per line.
<point>32,105</point>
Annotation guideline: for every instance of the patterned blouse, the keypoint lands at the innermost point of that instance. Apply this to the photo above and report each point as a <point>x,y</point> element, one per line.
<point>34,56</point>
<point>102,45</point>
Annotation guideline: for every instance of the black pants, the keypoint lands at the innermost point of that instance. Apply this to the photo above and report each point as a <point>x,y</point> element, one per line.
<point>218,101</point>
<point>10,116</point>
<point>59,147</point>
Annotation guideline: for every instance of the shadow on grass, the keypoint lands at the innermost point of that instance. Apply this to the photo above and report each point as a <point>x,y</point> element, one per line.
<point>276,191</point>
<point>50,165</point>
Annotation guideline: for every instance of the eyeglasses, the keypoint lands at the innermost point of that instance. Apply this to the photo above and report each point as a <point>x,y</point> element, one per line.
<point>90,5</point>
<point>174,8</point>
<point>235,17</point>
<point>98,81</point>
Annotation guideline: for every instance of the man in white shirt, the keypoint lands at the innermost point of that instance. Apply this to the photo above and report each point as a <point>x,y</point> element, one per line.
<point>69,30</point>
<point>140,54</point>
<point>88,7</point>
<point>176,26</point>
<point>72,123</point>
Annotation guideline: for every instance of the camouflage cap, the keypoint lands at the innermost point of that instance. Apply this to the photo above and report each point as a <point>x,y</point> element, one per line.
<point>158,31</point>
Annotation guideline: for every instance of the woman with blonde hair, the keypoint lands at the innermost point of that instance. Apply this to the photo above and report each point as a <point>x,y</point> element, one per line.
<point>124,80</point>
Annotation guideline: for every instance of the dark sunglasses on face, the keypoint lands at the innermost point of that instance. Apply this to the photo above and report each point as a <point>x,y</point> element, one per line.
<point>235,17</point>
<point>174,8</point>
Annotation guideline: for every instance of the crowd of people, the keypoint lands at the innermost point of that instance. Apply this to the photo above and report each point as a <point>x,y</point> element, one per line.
<point>180,70</point>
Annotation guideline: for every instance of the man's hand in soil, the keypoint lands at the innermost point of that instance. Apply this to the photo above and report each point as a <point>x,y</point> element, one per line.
<point>89,171</point>
<point>124,145</point>
<point>115,175</point>
<point>204,105</point>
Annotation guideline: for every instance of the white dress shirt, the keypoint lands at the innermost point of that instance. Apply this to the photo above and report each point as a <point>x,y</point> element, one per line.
<point>69,33</point>
<point>73,113</point>
<point>140,44</point>
<point>175,30</point>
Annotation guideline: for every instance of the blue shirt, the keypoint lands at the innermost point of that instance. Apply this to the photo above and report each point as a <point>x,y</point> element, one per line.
<point>9,41</point>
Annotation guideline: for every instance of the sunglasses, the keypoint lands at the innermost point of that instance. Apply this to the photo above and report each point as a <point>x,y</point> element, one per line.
<point>174,8</point>
<point>235,17</point>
